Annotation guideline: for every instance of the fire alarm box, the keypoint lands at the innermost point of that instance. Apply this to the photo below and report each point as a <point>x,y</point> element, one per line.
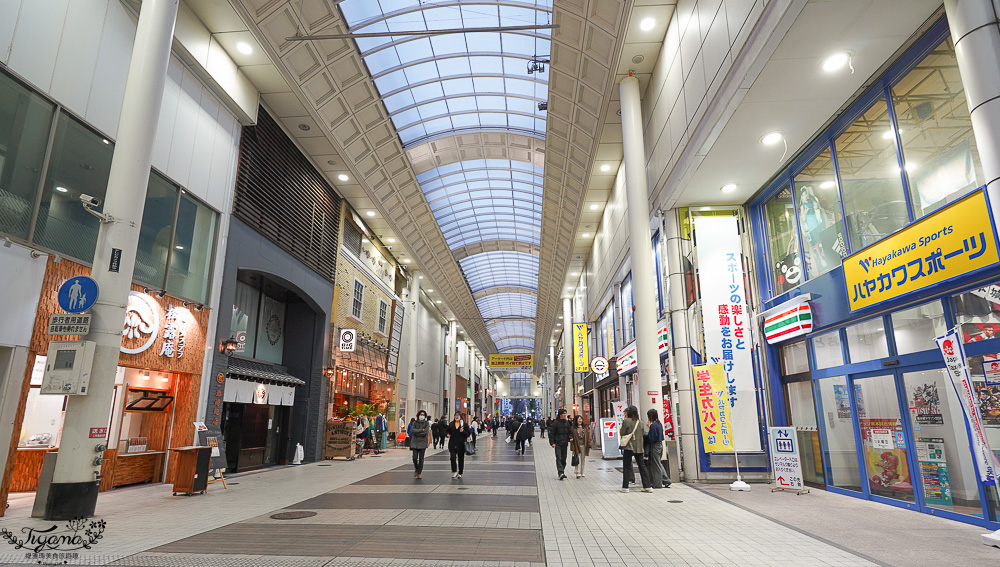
<point>67,368</point>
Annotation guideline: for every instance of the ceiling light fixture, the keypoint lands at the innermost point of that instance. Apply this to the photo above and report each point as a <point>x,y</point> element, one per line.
<point>430,291</point>
<point>244,48</point>
<point>586,235</point>
<point>438,301</point>
<point>836,61</point>
<point>61,189</point>
<point>343,177</point>
<point>406,260</point>
<point>772,138</point>
<point>304,127</point>
<point>594,207</point>
<point>370,213</point>
<point>605,168</point>
<point>575,274</point>
<point>179,247</point>
<point>729,187</point>
<point>390,240</point>
<point>647,24</point>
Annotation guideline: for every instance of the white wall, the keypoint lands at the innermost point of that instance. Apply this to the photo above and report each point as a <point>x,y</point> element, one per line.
<point>78,53</point>
<point>430,350</point>
<point>20,285</point>
<point>608,260</point>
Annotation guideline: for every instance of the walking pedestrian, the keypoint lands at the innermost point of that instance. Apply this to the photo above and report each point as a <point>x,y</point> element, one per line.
<point>541,426</point>
<point>631,443</point>
<point>523,436</point>
<point>421,437</point>
<point>458,431</point>
<point>658,476</point>
<point>559,437</point>
<point>474,427</point>
<point>580,444</point>
<point>496,425</point>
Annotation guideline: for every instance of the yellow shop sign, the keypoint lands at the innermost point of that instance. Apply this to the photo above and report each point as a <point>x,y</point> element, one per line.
<point>957,240</point>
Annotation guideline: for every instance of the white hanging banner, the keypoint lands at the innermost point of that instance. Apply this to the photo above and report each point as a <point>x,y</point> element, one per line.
<point>953,352</point>
<point>727,322</point>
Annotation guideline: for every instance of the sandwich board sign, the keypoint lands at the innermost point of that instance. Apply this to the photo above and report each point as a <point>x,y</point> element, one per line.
<point>785,462</point>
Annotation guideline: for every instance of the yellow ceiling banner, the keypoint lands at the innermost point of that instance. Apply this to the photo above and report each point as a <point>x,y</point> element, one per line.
<point>581,361</point>
<point>512,361</point>
<point>956,240</point>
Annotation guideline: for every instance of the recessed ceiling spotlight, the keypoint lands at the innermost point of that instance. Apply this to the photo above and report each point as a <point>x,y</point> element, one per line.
<point>420,277</point>
<point>61,189</point>
<point>106,141</point>
<point>586,235</point>
<point>827,185</point>
<point>729,187</point>
<point>244,48</point>
<point>574,274</point>
<point>647,24</point>
<point>430,291</point>
<point>390,240</point>
<point>343,177</point>
<point>638,59</point>
<point>605,168</point>
<point>772,138</point>
<point>370,213</point>
<point>331,162</point>
<point>594,207</point>
<point>438,301</point>
<point>836,61</point>
<point>179,247</point>
<point>406,260</point>
<point>304,127</point>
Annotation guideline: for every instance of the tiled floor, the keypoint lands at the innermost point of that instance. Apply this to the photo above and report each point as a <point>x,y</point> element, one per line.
<point>508,510</point>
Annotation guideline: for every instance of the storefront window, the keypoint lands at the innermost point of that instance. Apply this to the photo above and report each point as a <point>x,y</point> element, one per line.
<point>841,452</point>
<point>985,373</point>
<point>785,262</point>
<point>870,179</point>
<point>794,359</point>
<point>944,461</point>
<point>942,160</point>
<point>155,232</point>
<point>25,120</point>
<point>80,165</point>
<point>827,351</point>
<point>820,219</point>
<point>194,243</point>
<point>916,328</point>
<point>882,438</point>
<point>978,311</point>
<point>802,415</point>
<point>866,341</point>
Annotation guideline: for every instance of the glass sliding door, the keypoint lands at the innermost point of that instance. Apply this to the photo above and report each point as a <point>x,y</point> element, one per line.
<point>883,438</point>
<point>841,452</point>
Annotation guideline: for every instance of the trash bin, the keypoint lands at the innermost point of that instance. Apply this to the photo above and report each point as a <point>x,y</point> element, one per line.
<point>191,470</point>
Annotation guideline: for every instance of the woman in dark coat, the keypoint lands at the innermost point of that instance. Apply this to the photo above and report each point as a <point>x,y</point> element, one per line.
<point>524,432</point>
<point>420,438</point>
<point>458,432</point>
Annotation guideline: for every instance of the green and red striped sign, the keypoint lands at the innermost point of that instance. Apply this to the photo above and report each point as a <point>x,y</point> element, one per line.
<point>792,322</point>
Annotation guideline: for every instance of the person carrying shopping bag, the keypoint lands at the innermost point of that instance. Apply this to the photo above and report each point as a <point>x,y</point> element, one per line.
<point>630,436</point>
<point>579,444</point>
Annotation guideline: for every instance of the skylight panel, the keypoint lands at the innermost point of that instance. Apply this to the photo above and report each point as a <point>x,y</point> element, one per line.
<point>451,44</point>
<point>488,84</point>
<point>447,17</point>
<point>414,50</point>
<point>454,87</point>
<point>424,93</point>
<point>399,100</point>
<point>391,82</point>
<point>466,120</point>
<point>483,42</point>
<point>421,72</point>
<point>454,66</point>
<point>462,104</point>
<point>480,16</point>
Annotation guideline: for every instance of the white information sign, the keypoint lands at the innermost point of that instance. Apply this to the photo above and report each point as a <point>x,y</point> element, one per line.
<point>609,438</point>
<point>619,408</point>
<point>348,339</point>
<point>881,438</point>
<point>785,461</point>
<point>727,321</point>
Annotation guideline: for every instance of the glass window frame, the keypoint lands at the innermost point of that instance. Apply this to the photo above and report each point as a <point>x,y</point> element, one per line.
<point>358,300</point>
<point>383,316</point>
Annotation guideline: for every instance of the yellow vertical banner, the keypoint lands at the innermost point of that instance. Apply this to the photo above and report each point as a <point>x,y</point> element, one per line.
<point>580,359</point>
<point>713,408</point>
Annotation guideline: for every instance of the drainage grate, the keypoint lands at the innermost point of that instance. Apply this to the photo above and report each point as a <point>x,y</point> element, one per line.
<point>292,515</point>
<point>675,501</point>
<point>463,487</point>
<point>325,465</point>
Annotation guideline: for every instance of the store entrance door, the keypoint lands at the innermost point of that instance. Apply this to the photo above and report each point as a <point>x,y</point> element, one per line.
<point>913,442</point>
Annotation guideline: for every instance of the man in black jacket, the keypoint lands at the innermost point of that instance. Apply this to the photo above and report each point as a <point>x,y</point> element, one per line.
<point>559,434</point>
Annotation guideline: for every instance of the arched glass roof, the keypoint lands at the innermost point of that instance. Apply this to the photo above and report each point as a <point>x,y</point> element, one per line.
<point>436,85</point>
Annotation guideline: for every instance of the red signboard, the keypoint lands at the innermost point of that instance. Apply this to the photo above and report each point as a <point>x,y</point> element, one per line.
<point>98,432</point>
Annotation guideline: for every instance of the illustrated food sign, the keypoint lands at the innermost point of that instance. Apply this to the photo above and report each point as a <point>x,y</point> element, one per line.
<point>957,240</point>
<point>580,357</point>
<point>516,361</point>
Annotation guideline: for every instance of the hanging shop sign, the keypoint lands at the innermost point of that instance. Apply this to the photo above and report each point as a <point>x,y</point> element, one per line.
<point>599,366</point>
<point>953,352</point>
<point>516,361</point>
<point>713,408</point>
<point>662,336</point>
<point>788,322</point>
<point>785,462</point>
<point>348,340</point>
<point>580,347</point>
<point>957,240</point>
<point>727,321</point>
<point>626,360</point>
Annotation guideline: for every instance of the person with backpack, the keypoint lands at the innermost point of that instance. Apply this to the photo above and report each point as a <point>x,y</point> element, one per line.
<point>420,437</point>
<point>560,431</point>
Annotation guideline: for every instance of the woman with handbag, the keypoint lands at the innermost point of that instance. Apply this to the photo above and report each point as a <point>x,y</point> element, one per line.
<point>630,436</point>
<point>421,437</point>
<point>579,444</point>
<point>458,432</point>
<point>654,451</point>
<point>523,435</point>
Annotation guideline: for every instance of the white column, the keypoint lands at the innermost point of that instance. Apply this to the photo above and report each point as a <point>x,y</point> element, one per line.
<point>683,402</point>
<point>75,481</point>
<point>552,380</point>
<point>640,248</point>
<point>975,31</point>
<point>569,388</point>
<point>411,359</point>
<point>452,368</point>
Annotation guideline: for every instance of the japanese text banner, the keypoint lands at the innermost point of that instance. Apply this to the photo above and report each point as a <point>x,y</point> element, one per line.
<point>957,240</point>
<point>581,361</point>
<point>713,408</point>
<point>518,361</point>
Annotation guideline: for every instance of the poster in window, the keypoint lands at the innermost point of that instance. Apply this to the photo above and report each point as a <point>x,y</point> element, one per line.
<point>843,404</point>
<point>989,403</point>
<point>925,404</point>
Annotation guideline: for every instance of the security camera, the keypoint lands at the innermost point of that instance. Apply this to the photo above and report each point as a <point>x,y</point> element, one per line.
<point>88,205</point>
<point>89,201</point>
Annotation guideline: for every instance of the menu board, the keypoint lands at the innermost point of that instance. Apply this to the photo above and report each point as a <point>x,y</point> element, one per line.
<point>339,439</point>
<point>213,438</point>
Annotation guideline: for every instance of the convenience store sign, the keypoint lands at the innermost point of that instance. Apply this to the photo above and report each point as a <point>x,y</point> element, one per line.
<point>956,240</point>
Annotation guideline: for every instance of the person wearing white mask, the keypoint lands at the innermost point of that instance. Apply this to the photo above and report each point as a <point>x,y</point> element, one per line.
<point>420,438</point>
